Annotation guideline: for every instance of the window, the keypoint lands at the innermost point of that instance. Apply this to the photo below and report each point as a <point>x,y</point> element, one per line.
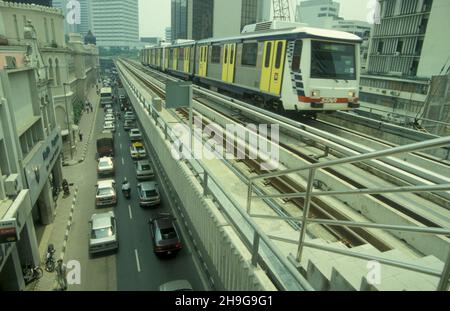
<point>427,5</point>
<point>399,46</point>
<point>418,48</point>
<point>215,54</point>
<point>380,47</point>
<point>232,55</point>
<point>225,59</point>
<point>16,27</point>
<point>323,9</point>
<point>181,54</point>
<point>279,55</point>
<point>268,52</point>
<point>296,60</point>
<point>249,54</point>
<point>333,60</point>
<point>322,15</point>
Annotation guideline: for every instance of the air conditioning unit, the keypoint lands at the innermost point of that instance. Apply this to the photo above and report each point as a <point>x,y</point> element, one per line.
<point>13,185</point>
<point>11,62</point>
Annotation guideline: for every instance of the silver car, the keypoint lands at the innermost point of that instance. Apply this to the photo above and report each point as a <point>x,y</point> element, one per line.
<point>135,135</point>
<point>144,170</point>
<point>148,194</point>
<point>103,236</point>
<point>105,166</point>
<point>106,193</point>
<point>176,286</point>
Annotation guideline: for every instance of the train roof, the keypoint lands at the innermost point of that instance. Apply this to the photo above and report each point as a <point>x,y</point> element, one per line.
<point>305,32</point>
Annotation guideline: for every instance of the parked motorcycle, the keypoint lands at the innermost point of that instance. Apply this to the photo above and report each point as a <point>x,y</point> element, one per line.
<point>49,260</point>
<point>126,189</point>
<point>65,186</point>
<point>31,274</point>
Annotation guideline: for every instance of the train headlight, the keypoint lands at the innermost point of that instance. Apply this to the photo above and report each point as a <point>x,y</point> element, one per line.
<point>315,94</point>
<point>351,94</point>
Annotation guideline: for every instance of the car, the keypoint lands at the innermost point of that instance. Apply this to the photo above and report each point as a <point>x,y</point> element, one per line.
<point>148,194</point>
<point>107,107</point>
<point>105,166</point>
<point>165,238</point>
<point>110,118</point>
<point>128,125</point>
<point>109,126</point>
<point>129,115</point>
<point>103,233</point>
<point>109,111</point>
<point>176,286</point>
<point>135,134</point>
<point>137,151</point>
<point>144,170</point>
<point>106,193</point>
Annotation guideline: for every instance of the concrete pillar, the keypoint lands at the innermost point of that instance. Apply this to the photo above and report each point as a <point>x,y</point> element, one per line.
<point>11,274</point>
<point>28,247</point>
<point>57,172</point>
<point>46,205</point>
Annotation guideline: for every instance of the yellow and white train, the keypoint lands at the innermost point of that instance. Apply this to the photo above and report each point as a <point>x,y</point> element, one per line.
<point>301,69</point>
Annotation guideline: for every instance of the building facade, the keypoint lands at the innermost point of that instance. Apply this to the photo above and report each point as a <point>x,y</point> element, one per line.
<point>72,24</point>
<point>168,34</point>
<point>318,13</point>
<point>115,23</point>
<point>405,51</point>
<point>41,77</point>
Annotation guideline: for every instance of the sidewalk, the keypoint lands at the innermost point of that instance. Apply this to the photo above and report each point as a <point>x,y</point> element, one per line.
<point>57,233</point>
<point>86,128</point>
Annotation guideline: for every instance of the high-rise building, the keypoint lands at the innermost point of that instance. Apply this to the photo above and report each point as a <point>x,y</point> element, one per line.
<point>115,23</point>
<point>200,19</point>
<point>168,34</point>
<point>231,16</point>
<point>83,25</point>
<point>406,49</point>
<point>318,13</point>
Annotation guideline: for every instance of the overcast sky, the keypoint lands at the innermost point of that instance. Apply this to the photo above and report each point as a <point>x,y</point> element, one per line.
<point>154,15</point>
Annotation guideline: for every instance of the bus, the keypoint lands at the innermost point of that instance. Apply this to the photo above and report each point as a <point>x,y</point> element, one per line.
<point>106,96</point>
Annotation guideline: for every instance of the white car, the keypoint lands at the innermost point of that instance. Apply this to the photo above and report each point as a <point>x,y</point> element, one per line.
<point>110,118</point>
<point>105,166</point>
<point>106,193</point>
<point>109,126</point>
<point>129,116</point>
<point>135,135</point>
<point>103,233</point>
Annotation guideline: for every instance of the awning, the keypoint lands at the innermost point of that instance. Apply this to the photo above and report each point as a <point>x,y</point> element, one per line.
<point>66,132</point>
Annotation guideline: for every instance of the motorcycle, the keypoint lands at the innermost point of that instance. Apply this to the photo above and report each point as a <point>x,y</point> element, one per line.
<point>49,260</point>
<point>31,274</point>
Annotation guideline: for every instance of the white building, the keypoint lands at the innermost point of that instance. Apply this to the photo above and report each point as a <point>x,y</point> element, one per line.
<point>231,16</point>
<point>115,22</point>
<point>407,48</point>
<point>318,13</point>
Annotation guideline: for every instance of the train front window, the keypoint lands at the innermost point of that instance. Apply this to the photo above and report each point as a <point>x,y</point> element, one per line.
<point>333,60</point>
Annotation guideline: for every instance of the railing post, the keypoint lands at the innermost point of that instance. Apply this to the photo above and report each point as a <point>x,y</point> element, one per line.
<point>306,206</point>
<point>443,283</point>
<point>165,131</point>
<point>205,183</point>
<point>249,195</point>
<point>255,249</point>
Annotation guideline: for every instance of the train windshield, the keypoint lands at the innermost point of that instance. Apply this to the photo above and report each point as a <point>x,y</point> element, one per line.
<point>333,60</point>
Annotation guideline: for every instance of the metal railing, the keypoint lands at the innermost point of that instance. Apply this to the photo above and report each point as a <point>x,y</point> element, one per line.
<point>309,193</point>
<point>256,241</point>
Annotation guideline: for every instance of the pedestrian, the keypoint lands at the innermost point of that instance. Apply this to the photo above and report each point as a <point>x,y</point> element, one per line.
<point>61,274</point>
<point>92,108</point>
<point>80,136</point>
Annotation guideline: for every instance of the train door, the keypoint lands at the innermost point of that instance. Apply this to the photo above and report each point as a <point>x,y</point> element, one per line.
<point>187,54</point>
<point>228,62</point>
<point>272,67</point>
<point>166,58</point>
<point>203,61</point>
<point>175,59</point>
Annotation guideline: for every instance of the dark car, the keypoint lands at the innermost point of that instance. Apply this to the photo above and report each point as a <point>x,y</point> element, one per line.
<point>166,240</point>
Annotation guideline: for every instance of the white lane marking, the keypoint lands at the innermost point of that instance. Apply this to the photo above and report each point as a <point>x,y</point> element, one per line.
<point>129,210</point>
<point>123,162</point>
<point>120,146</point>
<point>137,260</point>
<point>119,134</point>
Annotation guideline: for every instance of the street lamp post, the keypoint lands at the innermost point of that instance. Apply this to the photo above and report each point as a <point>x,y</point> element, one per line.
<point>68,121</point>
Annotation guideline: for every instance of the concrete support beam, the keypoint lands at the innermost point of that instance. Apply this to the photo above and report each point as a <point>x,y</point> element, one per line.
<point>46,205</point>
<point>11,274</point>
<point>28,246</point>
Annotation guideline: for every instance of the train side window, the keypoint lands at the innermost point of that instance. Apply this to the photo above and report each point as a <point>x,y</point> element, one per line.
<point>225,60</point>
<point>215,54</point>
<point>296,59</point>
<point>232,55</point>
<point>279,55</point>
<point>249,54</point>
<point>268,52</point>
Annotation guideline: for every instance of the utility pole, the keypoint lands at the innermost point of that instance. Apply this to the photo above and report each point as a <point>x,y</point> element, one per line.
<point>281,10</point>
<point>68,122</point>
